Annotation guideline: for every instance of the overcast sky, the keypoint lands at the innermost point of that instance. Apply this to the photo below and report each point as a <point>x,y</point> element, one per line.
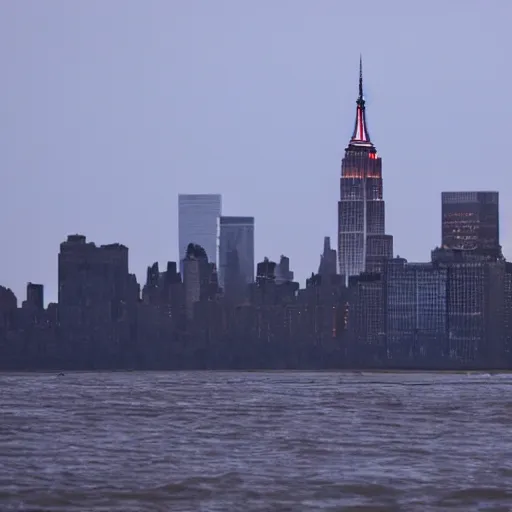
<point>110,108</point>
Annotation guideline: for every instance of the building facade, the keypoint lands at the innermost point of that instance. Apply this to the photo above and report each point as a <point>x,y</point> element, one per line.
<point>198,220</point>
<point>416,305</point>
<point>470,222</point>
<point>476,298</point>
<point>93,282</point>
<point>236,253</point>
<point>366,314</point>
<point>362,242</point>
<point>507,315</point>
<point>200,282</point>
<point>35,295</point>
<point>97,300</point>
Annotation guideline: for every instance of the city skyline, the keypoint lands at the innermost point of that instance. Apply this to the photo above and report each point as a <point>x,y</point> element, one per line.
<point>200,220</point>
<point>95,140</point>
<point>484,240</point>
<point>453,310</point>
<point>469,221</point>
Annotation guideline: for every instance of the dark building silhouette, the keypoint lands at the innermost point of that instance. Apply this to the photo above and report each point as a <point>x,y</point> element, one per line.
<point>199,278</point>
<point>366,320</point>
<point>164,290</point>
<point>283,272</point>
<point>265,271</point>
<point>362,242</point>
<point>274,283</point>
<point>328,262</point>
<point>93,281</point>
<point>32,309</point>
<point>152,282</point>
<point>470,222</point>
<point>96,311</point>
<point>161,317</point>
<point>236,256</point>
<point>325,307</point>
<point>234,285</point>
<point>35,296</point>
<point>8,309</point>
<point>476,298</point>
<point>263,290</point>
<point>507,316</point>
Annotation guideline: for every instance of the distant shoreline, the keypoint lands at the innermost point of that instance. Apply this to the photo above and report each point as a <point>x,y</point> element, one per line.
<point>341,371</point>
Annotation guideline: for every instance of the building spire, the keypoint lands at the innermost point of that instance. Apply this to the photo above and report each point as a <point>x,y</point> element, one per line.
<point>360,99</point>
<point>360,137</point>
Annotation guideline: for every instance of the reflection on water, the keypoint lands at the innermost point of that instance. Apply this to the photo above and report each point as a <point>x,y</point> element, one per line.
<point>206,441</point>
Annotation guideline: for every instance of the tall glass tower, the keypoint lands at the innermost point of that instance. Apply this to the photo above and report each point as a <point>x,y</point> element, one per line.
<point>362,243</point>
<point>198,223</point>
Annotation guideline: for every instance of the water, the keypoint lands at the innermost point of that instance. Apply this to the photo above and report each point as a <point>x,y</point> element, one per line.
<point>284,441</point>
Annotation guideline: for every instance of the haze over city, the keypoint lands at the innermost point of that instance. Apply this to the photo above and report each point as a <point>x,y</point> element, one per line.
<point>110,109</point>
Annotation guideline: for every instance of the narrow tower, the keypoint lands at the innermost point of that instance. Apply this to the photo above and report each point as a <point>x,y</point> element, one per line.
<point>362,242</point>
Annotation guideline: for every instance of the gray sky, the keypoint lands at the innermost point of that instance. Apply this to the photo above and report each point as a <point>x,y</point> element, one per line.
<point>110,108</point>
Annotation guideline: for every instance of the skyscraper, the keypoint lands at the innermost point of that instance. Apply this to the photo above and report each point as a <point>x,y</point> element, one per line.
<point>197,276</point>
<point>362,242</point>
<point>35,295</point>
<point>470,222</point>
<point>327,259</point>
<point>94,288</point>
<point>198,217</point>
<point>236,252</point>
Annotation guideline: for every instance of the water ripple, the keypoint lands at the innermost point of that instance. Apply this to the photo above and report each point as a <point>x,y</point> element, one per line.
<point>213,441</point>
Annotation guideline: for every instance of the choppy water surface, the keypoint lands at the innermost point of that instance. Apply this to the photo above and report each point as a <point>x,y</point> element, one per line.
<point>202,441</point>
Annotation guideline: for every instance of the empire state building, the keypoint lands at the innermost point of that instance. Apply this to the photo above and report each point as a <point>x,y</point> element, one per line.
<point>363,245</point>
